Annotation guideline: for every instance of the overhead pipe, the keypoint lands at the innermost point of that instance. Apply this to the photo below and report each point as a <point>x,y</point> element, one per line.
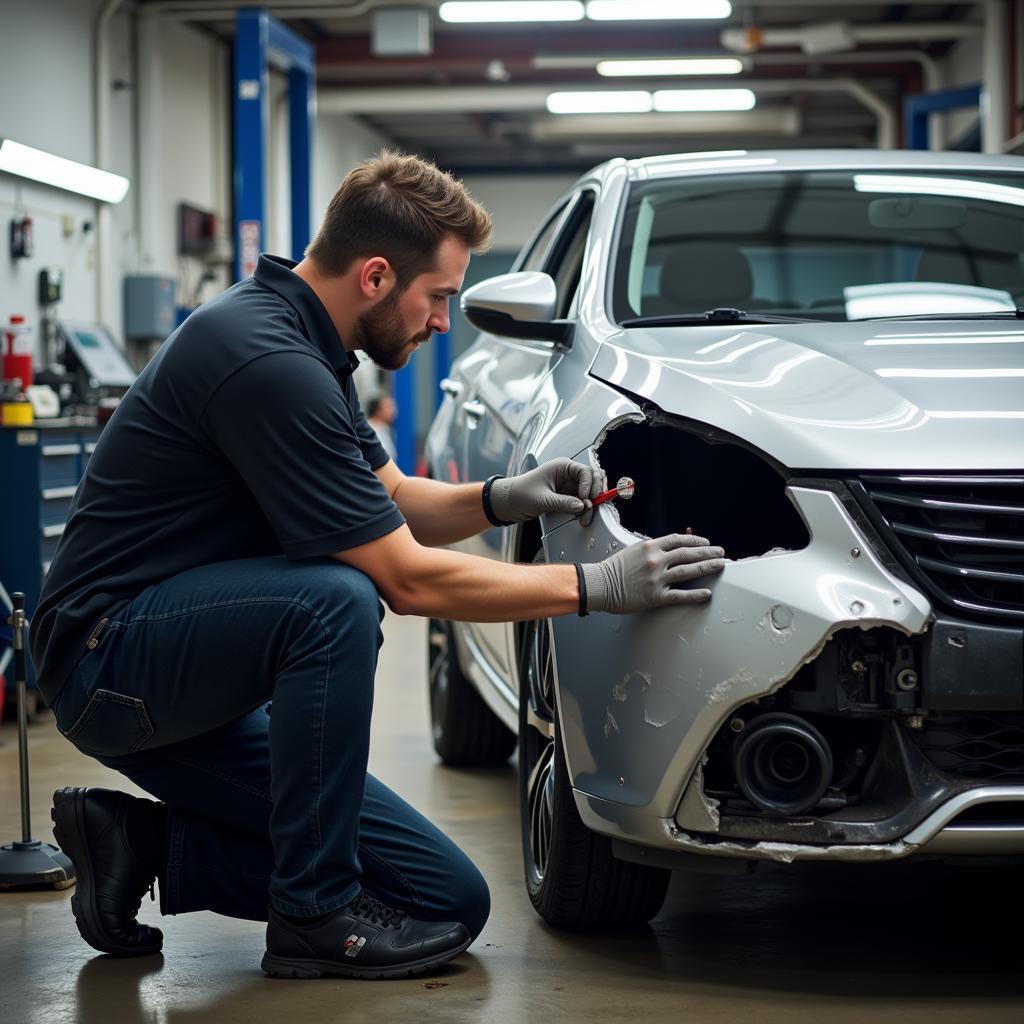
<point>101,147</point>
<point>995,107</point>
<point>463,99</point>
<point>809,37</point>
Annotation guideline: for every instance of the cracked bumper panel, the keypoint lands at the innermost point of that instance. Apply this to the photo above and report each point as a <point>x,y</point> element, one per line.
<point>641,696</point>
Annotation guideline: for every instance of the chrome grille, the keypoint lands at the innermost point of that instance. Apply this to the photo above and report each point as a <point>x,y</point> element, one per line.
<point>962,537</point>
<point>975,746</point>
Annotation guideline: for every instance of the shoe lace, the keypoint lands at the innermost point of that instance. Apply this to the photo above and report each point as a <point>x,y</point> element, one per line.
<point>377,912</point>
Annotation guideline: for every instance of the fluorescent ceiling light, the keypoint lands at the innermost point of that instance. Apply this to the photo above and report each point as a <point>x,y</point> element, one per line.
<point>922,185</point>
<point>467,11</point>
<point>621,102</point>
<point>39,165</point>
<point>680,66</point>
<point>704,99</point>
<point>643,10</point>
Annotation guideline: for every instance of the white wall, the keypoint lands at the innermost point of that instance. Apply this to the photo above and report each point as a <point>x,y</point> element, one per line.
<point>341,142</point>
<point>184,146</point>
<point>46,90</point>
<point>168,133</point>
<point>517,203</point>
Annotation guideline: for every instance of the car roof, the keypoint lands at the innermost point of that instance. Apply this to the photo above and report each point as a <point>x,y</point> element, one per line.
<point>677,164</point>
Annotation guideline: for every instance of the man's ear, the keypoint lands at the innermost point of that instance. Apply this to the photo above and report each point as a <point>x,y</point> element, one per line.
<point>376,278</point>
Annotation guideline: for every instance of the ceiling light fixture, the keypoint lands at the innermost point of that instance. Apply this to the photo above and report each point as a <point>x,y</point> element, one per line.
<point>673,66</point>
<point>650,10</point>
<point>476,11</point>
<point>622,102</point>
<point>38,165</point>
<point>704,99</point>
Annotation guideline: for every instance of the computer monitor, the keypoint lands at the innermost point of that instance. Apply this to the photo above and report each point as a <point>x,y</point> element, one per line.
<point>100,357</point>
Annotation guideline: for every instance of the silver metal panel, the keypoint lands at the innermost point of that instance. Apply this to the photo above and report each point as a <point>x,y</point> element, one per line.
<point>641,696</point>
<point>907,395</point>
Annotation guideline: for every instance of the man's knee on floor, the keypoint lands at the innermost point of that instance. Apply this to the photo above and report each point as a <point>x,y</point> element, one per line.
<point>471,901</point>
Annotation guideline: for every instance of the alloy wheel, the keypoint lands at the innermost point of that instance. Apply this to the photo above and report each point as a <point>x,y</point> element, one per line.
<point>538,747</point>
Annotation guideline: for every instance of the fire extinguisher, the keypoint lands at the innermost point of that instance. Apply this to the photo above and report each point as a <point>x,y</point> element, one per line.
<point>18,351</point>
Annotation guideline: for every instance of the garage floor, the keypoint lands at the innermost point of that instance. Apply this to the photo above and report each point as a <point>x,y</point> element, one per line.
<point>925,944</point>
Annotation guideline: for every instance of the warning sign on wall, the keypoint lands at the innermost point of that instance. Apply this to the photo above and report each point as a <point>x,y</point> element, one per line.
<point>248,247</point>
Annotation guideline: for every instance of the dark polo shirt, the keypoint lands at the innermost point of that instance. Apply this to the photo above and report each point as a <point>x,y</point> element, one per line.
<point>242,438</point>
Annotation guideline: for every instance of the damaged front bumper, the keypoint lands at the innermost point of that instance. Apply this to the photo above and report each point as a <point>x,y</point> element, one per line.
<point>641,697</point>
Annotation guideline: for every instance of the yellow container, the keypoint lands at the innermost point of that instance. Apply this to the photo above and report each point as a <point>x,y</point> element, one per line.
<point>16,414</point>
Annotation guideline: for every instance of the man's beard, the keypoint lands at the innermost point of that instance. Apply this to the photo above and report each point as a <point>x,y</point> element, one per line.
<point>379,333</point>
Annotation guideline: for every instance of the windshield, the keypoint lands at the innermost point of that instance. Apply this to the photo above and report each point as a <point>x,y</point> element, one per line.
<point>832,245</point>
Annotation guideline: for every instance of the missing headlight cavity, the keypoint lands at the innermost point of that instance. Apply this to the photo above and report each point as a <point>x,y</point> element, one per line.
<point>724,492</point>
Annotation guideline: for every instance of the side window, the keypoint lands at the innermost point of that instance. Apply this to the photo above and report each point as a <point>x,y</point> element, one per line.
<point>538,249</point>
<point>565,261</point>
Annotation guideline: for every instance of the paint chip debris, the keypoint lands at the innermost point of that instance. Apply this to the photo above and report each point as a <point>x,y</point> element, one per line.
<point>430,985</point>
<point>661,706</point>
<point>721,691</point>
<point>610,725</point>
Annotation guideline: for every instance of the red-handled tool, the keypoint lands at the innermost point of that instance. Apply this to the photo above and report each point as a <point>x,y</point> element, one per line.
<point>624,489</point>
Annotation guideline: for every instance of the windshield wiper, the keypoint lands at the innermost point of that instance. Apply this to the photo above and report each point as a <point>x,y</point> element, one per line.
<point>996,314</point>
<point>719,315</point>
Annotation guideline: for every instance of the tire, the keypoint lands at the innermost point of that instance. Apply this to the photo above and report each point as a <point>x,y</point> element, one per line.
<point>572,878</point>
<point>466,732</point>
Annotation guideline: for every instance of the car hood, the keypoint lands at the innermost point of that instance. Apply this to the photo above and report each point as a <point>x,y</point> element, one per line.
<point>939,395</point>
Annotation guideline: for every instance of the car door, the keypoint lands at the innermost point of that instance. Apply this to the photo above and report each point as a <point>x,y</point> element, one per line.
<point>504,381</point>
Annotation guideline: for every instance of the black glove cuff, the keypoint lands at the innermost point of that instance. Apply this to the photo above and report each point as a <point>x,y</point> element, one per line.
<point>486,496</point>
<point>582,581</point>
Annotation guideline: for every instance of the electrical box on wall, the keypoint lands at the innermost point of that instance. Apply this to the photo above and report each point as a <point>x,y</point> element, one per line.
<point>401,32</point>
<point>51,286</point>
<point>149,308</point>
<point>21,238</point>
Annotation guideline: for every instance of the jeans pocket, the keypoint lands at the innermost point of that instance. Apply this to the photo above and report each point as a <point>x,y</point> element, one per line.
<point>111,724</point>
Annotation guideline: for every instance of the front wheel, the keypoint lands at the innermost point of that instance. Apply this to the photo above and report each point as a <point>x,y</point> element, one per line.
<point>466,732</point>
<point>571,876</point>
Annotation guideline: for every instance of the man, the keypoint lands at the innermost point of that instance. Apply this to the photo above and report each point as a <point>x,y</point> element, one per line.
<point>380,414</point>
<point>226,549</point>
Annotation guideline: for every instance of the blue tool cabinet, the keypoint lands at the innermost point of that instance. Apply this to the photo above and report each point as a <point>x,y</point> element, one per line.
<point>40,467</point>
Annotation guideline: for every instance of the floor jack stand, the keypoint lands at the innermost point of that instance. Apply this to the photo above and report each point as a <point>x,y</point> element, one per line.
<point>29,862</point>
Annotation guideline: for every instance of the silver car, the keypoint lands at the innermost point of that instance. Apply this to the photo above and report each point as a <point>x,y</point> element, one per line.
<point>815,359</point>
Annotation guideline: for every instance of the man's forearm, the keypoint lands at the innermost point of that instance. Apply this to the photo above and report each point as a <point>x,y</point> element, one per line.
<point>468,588</point>
<point>440,513</point>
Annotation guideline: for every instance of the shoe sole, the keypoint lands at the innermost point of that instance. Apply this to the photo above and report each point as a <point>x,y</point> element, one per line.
<point>68,816</point>
<point>293,967</point>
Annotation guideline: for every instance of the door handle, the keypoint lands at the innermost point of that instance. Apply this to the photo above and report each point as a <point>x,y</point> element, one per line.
<point>451,387</point>
<point>473,409</point>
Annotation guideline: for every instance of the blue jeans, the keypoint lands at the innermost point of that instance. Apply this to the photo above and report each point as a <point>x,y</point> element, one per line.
<point>240,694</point>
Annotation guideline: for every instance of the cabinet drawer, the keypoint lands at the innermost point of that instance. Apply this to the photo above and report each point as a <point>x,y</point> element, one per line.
<point>56,504</point>
<point>49,538</point>
<point>59,463</point>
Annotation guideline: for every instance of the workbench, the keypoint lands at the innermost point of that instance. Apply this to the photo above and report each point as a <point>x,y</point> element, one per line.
<point>40,468</point>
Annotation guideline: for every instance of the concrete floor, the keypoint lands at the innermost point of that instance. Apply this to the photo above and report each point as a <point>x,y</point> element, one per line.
<point>911,944</point>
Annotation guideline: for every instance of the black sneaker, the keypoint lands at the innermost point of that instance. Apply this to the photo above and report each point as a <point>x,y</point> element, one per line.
<point>89,826</point>
<point>366,939</point>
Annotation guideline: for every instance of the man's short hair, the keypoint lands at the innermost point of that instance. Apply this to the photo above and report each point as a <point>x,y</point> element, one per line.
<point>399,207</point>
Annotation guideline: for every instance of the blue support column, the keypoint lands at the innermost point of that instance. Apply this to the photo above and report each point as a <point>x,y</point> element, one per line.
<point>916,110</point>
<point>405,423</point>
<point>301,106</point>
<point>262,42</point>
<point>442,363</point>
<point>250,137</point>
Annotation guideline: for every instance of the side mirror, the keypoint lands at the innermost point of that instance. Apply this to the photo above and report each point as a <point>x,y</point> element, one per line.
<point>518,305</point>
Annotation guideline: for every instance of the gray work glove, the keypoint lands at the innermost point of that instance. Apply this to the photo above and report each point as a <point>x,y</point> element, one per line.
<point>560,485</point>
<point>645,575</point>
